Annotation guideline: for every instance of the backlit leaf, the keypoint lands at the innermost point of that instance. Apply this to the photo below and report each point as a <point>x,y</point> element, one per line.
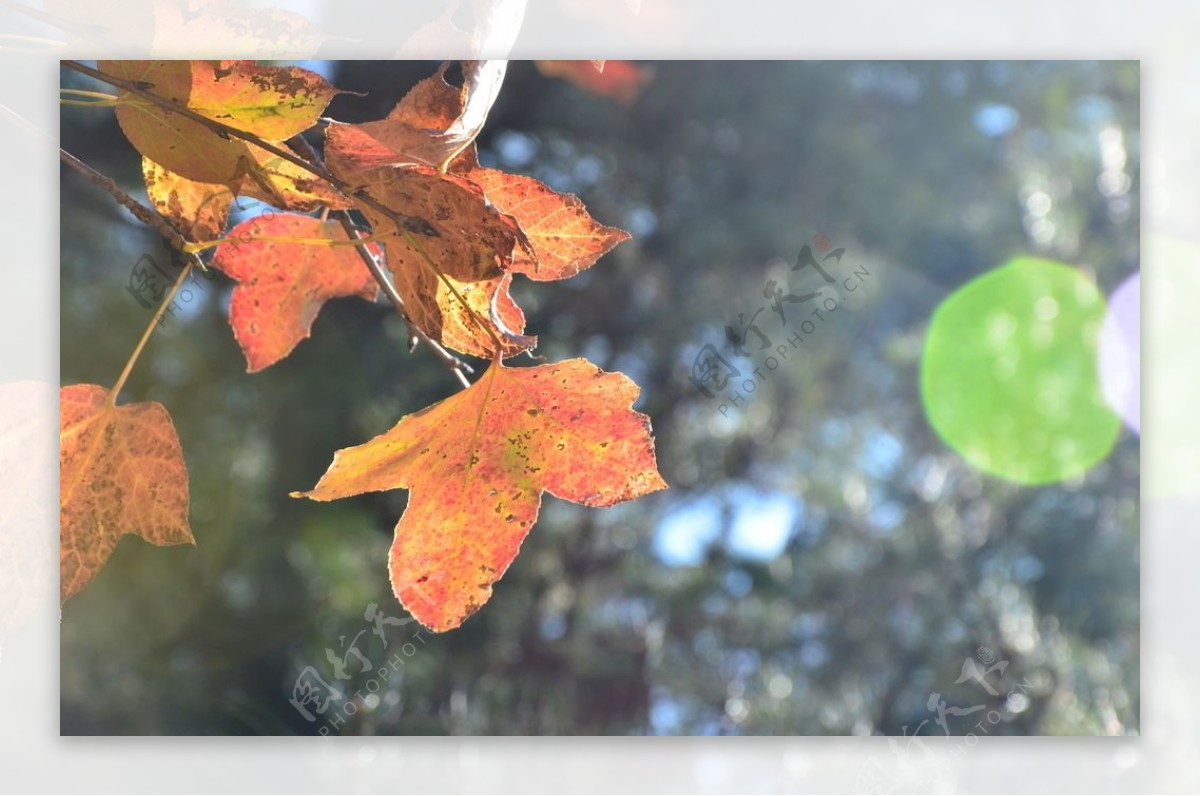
<point>273,103</point>
<point>456,231</point>
<point>198,210</point>
<point>122,472</point>
<point>283,285</point>
<point>476,465</point>
<point>564,238</point>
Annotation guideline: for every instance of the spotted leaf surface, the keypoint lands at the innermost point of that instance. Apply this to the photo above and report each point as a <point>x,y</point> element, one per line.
<point>271,102</point>
<point>562,235</point>
<point>476,465</point>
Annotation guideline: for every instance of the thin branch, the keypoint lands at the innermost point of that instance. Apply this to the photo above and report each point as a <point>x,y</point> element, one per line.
<point>139,210</point>
<point>415,333</point>
<point>453,363</point>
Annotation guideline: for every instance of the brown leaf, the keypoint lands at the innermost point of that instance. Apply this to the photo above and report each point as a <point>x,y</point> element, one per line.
<point>452,229</point>
<point>433,123</point>
<point>122,472</point>
<point>200,210</point>
<point>477,464</point>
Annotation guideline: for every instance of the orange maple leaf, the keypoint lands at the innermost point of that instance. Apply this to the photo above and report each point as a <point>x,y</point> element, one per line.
<point>477,464</point>
<point>283,285</point>
<point>563,236</point>
<point>122,472</point>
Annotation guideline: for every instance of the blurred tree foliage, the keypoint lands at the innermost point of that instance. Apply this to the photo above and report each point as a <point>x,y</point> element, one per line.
<point>822,562</point>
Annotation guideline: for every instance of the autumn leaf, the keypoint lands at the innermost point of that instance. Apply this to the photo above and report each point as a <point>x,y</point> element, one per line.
<point>271,102</point>
<point>122,472</point>
<point>200,210</point>
<point>450,262</point>
<point>430,125</point>
<point>197,210</point>
<point>283,285</point>
<point>476,465</point>
<point>285,185</point>
<point>564,238</point>
<point>620,80</point>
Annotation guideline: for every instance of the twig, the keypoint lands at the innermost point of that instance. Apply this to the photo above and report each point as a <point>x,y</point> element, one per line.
<point>415,333</point>
<point>456,366</point>
<point>139,210</point>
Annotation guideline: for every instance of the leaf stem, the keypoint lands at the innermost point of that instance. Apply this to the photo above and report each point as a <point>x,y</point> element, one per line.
<point>96,99</point>
<point>456,366</point>
<point>147,216</point>
<point>137,351</point>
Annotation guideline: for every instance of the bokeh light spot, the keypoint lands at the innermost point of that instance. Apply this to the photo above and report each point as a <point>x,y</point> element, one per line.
<point>1009,375</point>
<point>1120,352</point>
